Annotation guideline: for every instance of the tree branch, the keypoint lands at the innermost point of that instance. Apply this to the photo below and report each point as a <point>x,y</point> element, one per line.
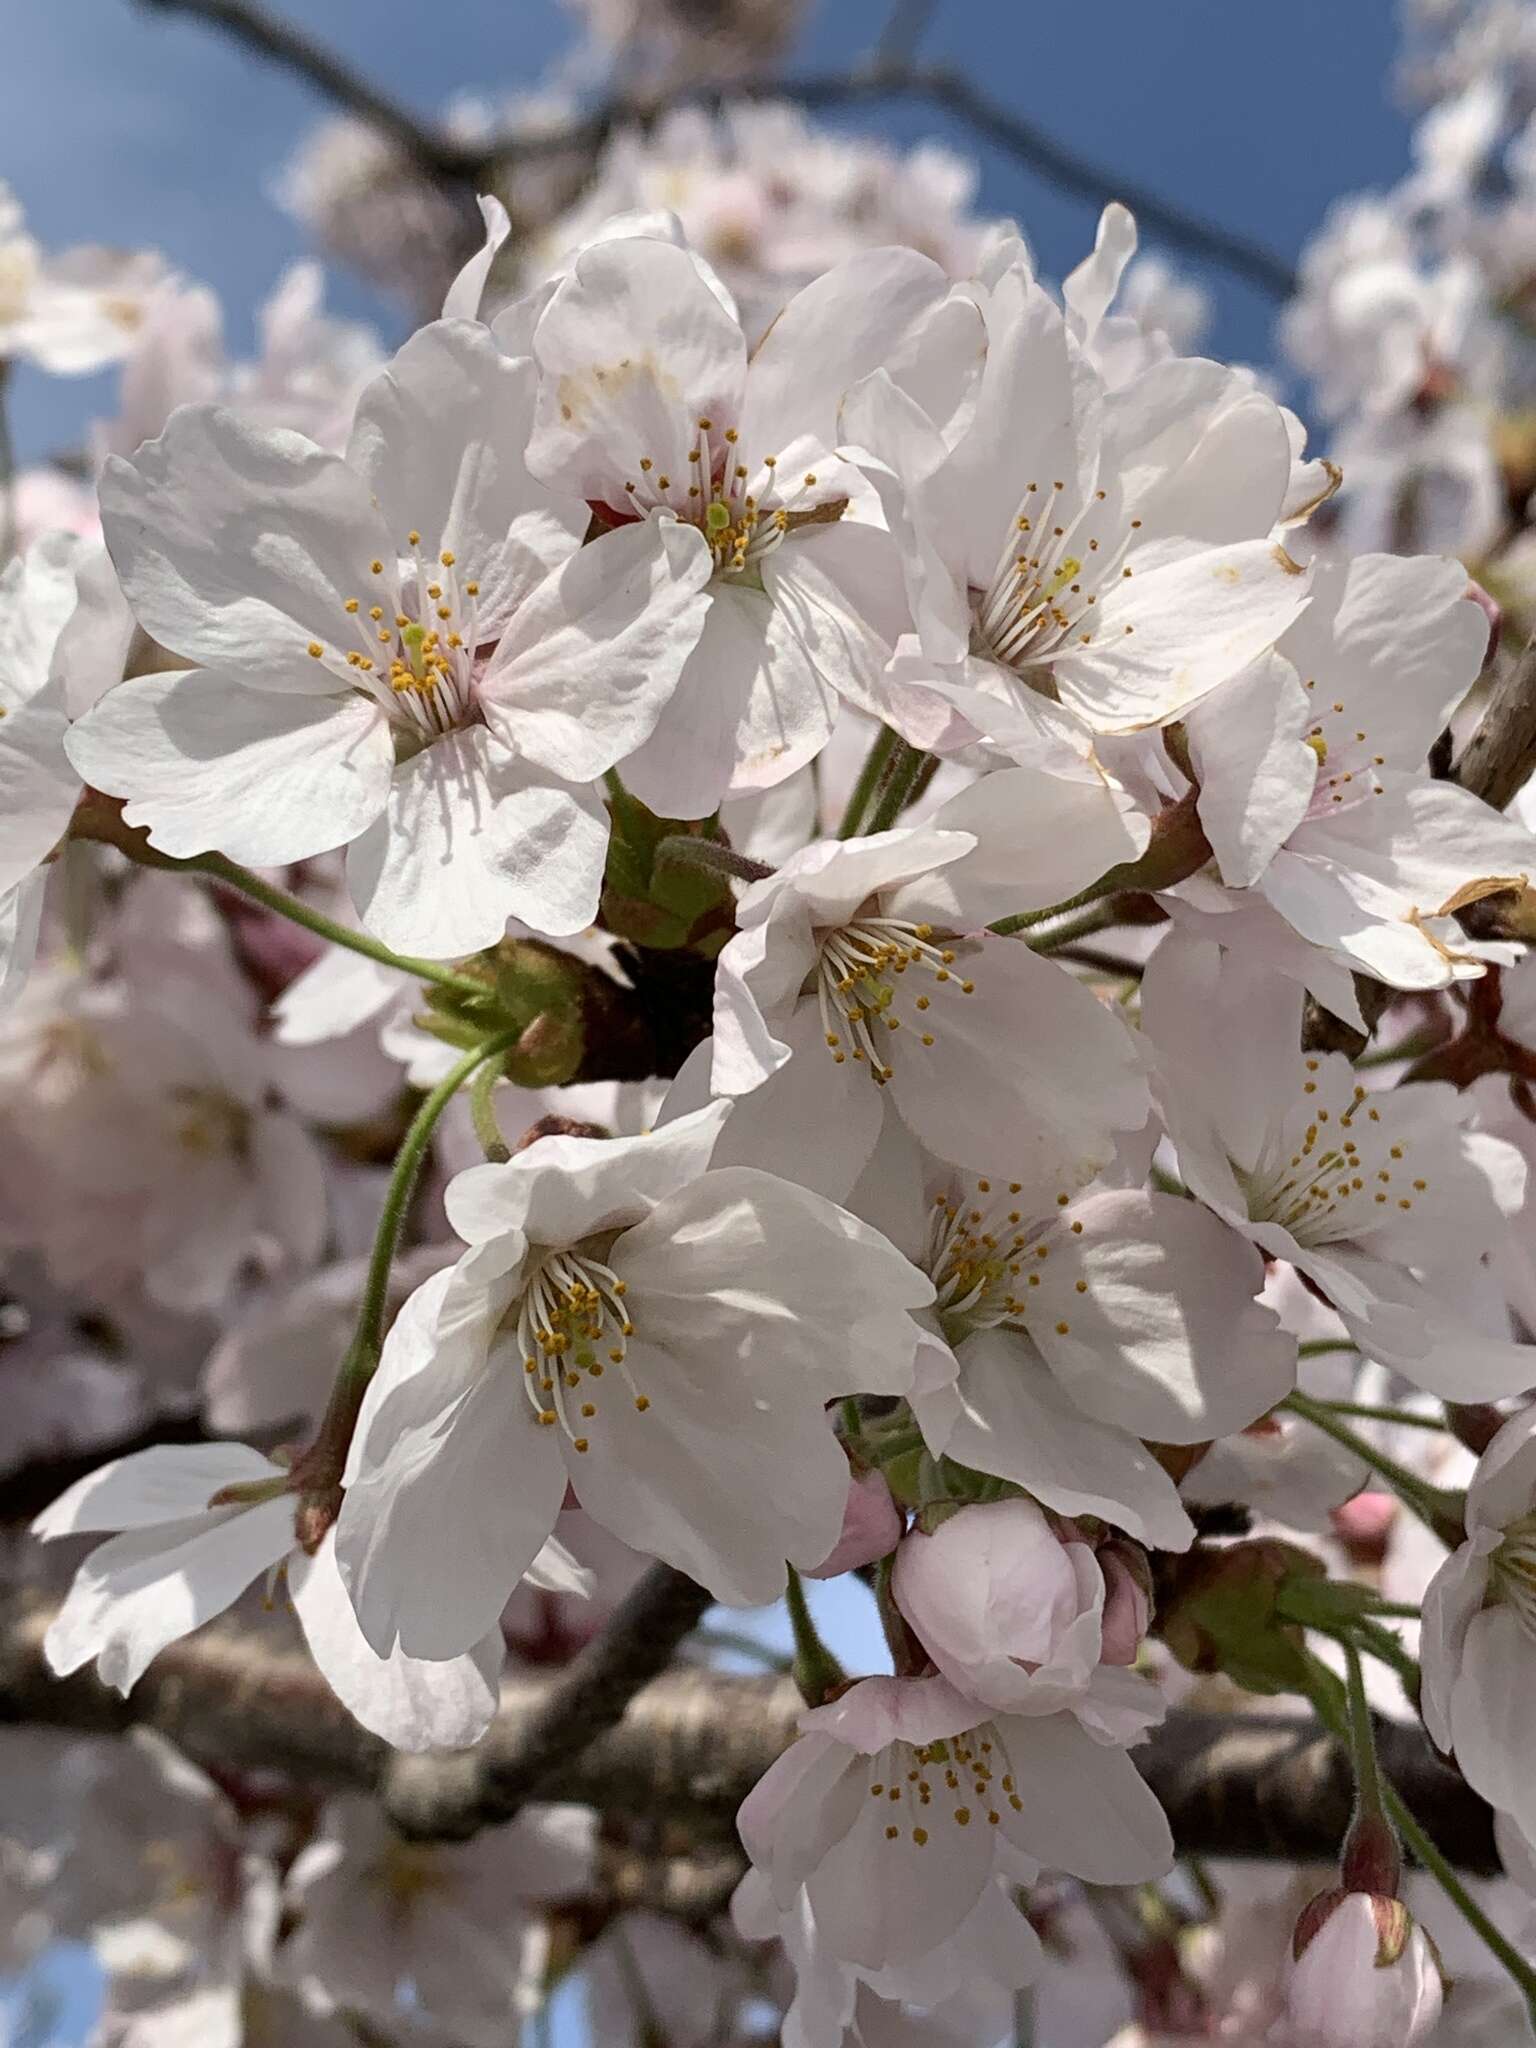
<point>1497,761</point>
<point>490,1784</point>
<point>448,162</point>
<point>270,36</point>
<point>692,1743</point>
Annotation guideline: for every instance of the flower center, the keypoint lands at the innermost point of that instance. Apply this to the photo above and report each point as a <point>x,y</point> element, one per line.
<point>859,986</point>
<point>741,526</point>
<point>950,1780</point>
<point>984,1259</point>
<point>1346,773</point>
<point>572,1327</point>
<point>1045,591</point>
<point>413,649</point>
<point>1337,1169</point>
<point>209,1124</point>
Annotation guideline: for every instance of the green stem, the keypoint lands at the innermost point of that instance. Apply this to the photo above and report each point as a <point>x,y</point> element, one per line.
<point>875,762</point>
<point>1368,1412</point>
<point>482,1110</point>
<point>1324,1690</point>
<point>1322,1347</point>
<point>1440,1869</point>
<point>1097,919</point>
<point>817,1671</point>
<point>1413,1047</point>
<point>299,912</point>
<point>853,1421</point>
<point>897,785</point>
<point>1362,1734</point>
<point>1433,1507</point>
<point>324,1461</point>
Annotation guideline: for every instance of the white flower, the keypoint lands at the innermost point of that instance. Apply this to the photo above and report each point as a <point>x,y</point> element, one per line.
<point>1077,1328</point>
<point>197,1525</point>
<point>142,1146</point>
<point>73,312</point>
<point>1112,549</point>
<point>862,988</point>
<point>957,1994</point>
<point>64,636</point>
<point>455,1922</point>
<point>650,408</point>
<point>773,201</point>
<point>901,1803</point>
<point>397,651</point>
<point>1367,1978</point>
<point>658,1336</point>
<point>1386,1202</point>
<point>1313,790</point>
<point>1478,1646</point>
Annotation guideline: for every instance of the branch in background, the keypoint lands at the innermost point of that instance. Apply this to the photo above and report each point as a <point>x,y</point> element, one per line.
<point>478,165</point>
<point>490,1784</point>
<point>1497,761</point>
<point>906,25</point>
<point>693,1743</point>
<point>279,41</point>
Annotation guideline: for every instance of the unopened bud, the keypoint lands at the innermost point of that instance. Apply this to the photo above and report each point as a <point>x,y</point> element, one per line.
<point>1364,1976</point>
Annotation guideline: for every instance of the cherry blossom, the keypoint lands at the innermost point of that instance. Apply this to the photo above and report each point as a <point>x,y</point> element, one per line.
<point>853,943</point>
<point>882,1814</point>
<point>1385,1203</point>
<point>651,408</point>
<point>720,1309</point>
<point>1120,558</point>
<point>395,646</point>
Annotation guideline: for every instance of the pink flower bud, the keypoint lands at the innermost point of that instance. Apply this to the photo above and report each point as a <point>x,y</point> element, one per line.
<point>1364,1524</point>
<point>1127,1603</point>
<point>1008,1608</point>
<point>871,1527</point>
<point>1365,1975</point>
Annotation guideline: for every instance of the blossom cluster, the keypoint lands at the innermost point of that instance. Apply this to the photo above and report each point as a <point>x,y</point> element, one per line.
<point>809,931</point>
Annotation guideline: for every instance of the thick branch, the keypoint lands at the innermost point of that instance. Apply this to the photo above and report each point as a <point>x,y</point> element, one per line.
<point>491,1783</point>
<point>479,165</point>
<point>692,1743</point>
<point>1500,755</point>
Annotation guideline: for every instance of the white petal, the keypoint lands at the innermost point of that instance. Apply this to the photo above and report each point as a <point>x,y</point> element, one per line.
<point>587,664</point>
<point>1086,1807</point>
<point>165,1484</point>
<point>1007,1415</point>
<point>439,439</point>
<point>138,1593</point>
<point>471,836</point>
<point>433,1538</point>
<point>1254,769</point>
<point>1165,1338</point>
<point>413,1705</point>
<point>635,350</point>
<point>237,545</point>
<point>209,765</point>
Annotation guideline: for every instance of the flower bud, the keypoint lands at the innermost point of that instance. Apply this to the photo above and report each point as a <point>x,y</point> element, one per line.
<point>872,1527</point>
<point>1008,1607</point>
<point>1127,1600</point>
<point>1364,1976</point>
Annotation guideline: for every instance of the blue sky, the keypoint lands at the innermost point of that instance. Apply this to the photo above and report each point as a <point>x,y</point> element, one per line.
<point>125,124</point>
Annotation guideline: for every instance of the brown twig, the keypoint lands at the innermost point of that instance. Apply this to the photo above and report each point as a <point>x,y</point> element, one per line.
<point>693,1743</point>
<point>1497,761</point>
